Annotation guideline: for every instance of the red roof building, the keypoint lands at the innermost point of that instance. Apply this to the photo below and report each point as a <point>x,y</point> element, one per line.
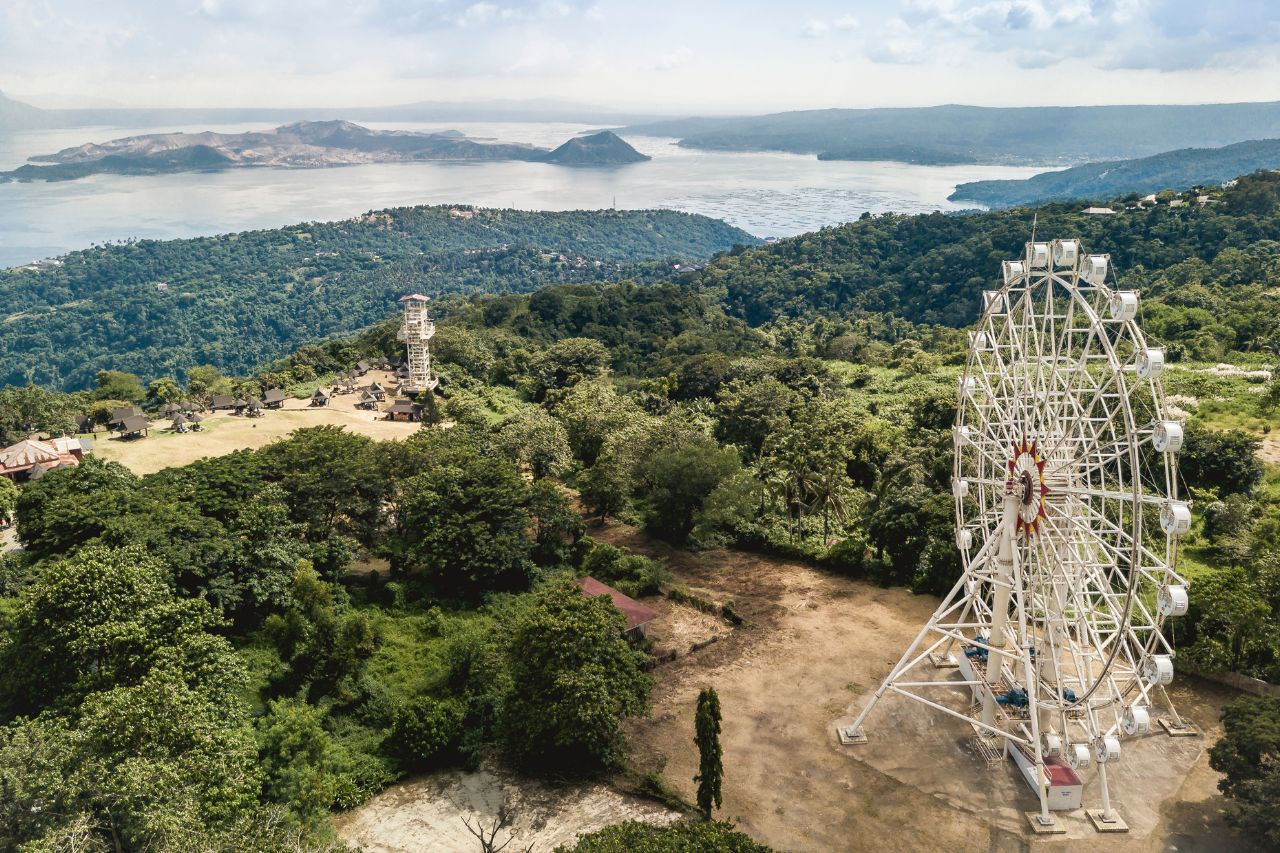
<point>638,616</point>
<point>17,461</point>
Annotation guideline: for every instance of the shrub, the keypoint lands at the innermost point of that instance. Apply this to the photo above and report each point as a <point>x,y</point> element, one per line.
<point>426,731</point>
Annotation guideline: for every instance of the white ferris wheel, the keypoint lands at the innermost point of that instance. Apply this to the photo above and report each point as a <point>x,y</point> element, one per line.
<point>1067,520</point>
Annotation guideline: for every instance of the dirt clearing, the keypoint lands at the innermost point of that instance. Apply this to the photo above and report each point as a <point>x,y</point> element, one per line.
<point>427,813</point>
<point>814,647</point>
<point>223,433</point>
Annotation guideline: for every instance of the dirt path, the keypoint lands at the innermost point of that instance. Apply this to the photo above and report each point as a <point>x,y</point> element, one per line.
<point>814,647</point>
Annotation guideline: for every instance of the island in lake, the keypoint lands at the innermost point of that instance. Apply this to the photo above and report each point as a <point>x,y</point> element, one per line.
<point>306,145</point>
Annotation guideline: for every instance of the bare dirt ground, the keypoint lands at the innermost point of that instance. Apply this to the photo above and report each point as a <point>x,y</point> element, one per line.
<point>224,433</point>
<point>427,813</point>
<point>813,649</point>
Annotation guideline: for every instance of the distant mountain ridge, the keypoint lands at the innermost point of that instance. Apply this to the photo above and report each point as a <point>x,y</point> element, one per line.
<point>953,133</point>
<point>15,115</point>
<point>305,145</point>
<point>1171,170</point>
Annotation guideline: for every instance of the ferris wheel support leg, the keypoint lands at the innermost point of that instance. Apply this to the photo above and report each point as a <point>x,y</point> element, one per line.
<point>1000,603</point>
<point>853,733</point>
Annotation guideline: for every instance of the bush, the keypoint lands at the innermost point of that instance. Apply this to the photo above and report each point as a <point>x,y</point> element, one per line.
<point>426,731</point>
<point>686,837</point>
<point>632,574</point>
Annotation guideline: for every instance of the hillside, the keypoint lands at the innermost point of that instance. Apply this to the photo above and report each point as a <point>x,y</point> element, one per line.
<point>965,134</point>
<point>599,149</point>
<point>236,301</point>
<point>1172,170</point>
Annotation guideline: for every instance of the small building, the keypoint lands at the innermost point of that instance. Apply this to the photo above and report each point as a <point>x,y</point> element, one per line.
<point>84,423</point>
<point>19,461</point>
<point>181,423</point>
<point>222,401</point>
<point>362,367</point>
<point>273,399</point>
<point>254,408</point>
<point>320,397</point>
<point>1097,211</point>
<point>376,391</point>
<point>1177,202</point>
<point>135,426</point>
<point>367,401</point>
<point>404,410</point>
<point>120,415</point>
<point>239,405</point>
<point>638,616</point>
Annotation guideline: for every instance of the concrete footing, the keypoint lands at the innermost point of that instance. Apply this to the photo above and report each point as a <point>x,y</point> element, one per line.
<point>1173,729</point>
<point>1053,827</point>
<point>1101,824</point>
<point>849,736</point>
<point>944,661</point>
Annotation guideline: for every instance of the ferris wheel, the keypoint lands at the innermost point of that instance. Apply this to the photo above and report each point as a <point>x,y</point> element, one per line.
<point>1068,519</point>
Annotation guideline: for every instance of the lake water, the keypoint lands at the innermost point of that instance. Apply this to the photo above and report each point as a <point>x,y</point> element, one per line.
<point>767,194</point>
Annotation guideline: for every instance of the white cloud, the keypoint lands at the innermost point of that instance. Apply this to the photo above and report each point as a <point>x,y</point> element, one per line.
<point>814,28</point>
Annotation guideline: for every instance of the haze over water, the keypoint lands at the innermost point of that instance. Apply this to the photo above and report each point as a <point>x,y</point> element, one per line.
<point>767,194</point>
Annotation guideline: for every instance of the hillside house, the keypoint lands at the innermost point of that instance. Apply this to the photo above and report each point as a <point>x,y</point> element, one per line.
<point>638,616</point>
<point>222,401</point>
<point>320,397</point>
<point>273,399</point>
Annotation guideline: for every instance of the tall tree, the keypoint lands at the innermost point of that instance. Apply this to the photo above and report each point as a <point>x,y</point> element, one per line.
<point>710,764</point>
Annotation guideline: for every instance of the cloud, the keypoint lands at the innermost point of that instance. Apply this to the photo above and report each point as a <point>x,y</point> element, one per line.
<point>1162,35</point>
<point>814,28</point>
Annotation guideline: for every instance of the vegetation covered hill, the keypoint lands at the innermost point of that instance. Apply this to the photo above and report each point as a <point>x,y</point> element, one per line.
<point>598,149</point>
<point>1172,170</point>
<point>963,134</point>
<point>236,301</point>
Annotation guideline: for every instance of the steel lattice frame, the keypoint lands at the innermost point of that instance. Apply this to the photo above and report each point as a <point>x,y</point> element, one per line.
<point>1067,518</point>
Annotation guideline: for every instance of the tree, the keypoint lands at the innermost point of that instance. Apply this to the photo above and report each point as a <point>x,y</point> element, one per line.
<point>8,500</point>
<point>591,412</point>
<point>533,438</point>
<point>325,471</point>
<point>466,527</point>
<point>574,678</point>
<point>749,410</point>
<point>324,644</point>
<point>153,765</point>
<point>205,381</point>
<point>105,618</point>
<point>117,385</point>
<point>677,477</point>
<point>564,364</point>
<point>1248,755</point>
<point>164,390</point>
<point>1223,460</point>
<point>710,767</point>
<point>297,759</point>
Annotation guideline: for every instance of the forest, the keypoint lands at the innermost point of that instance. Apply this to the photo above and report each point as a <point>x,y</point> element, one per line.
<point>237,301</point>
<point>208,633</point>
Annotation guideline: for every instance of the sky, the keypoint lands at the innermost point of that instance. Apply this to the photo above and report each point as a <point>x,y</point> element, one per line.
<point>659,56</point>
